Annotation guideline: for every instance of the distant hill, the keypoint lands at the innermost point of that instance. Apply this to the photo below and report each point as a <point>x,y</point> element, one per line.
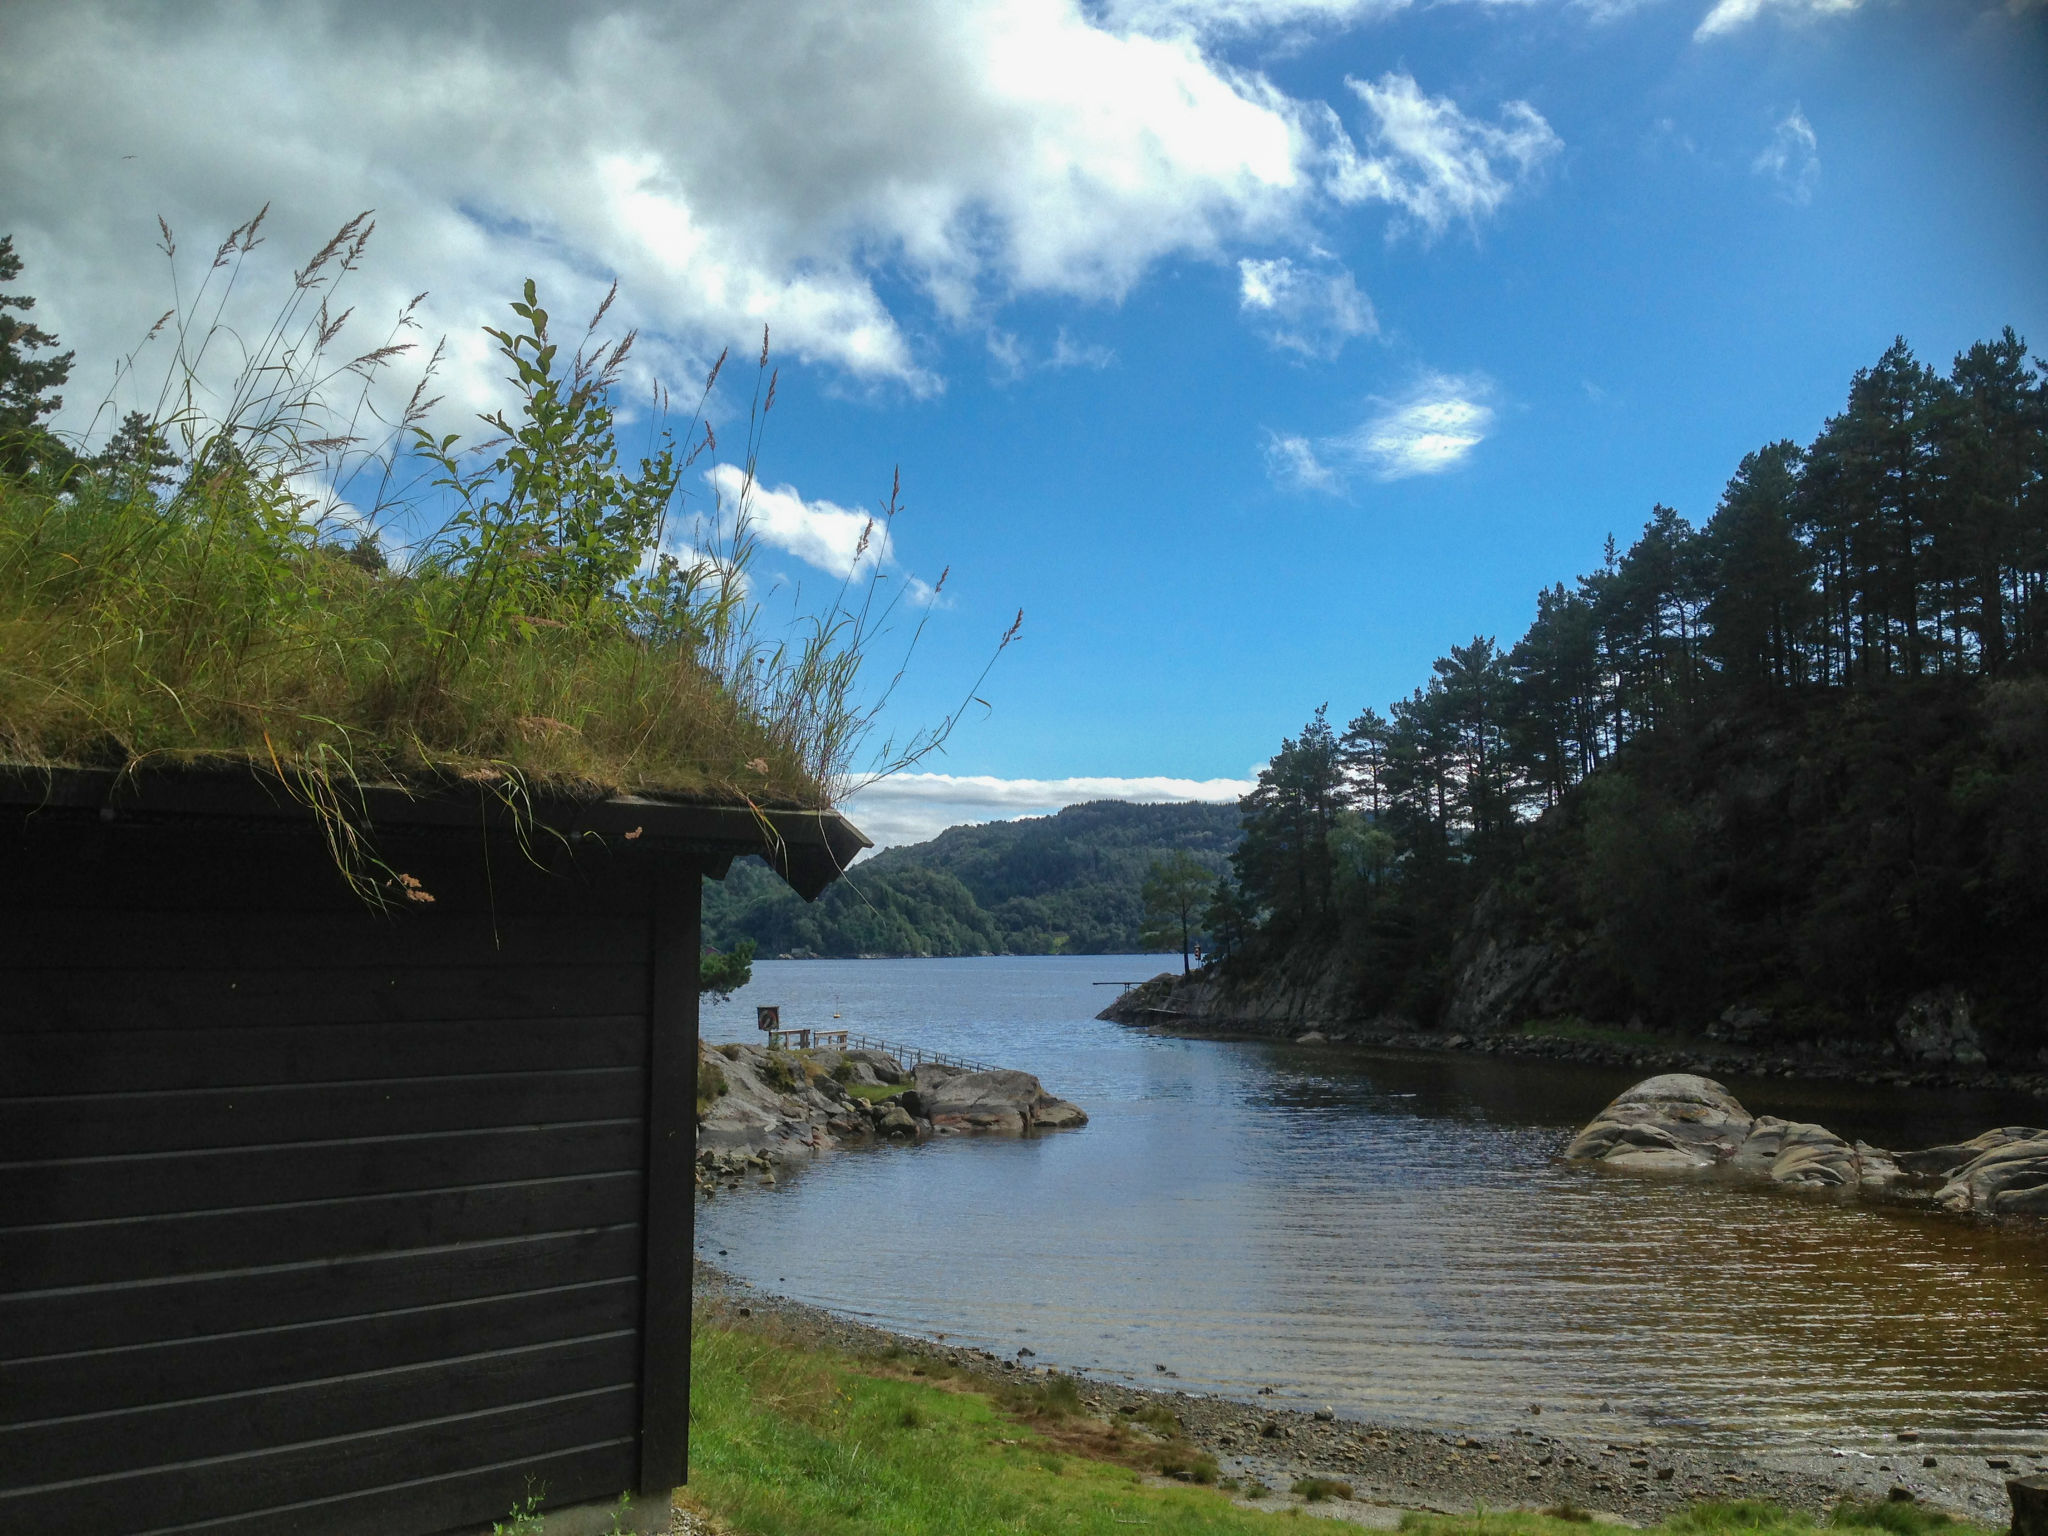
<point>1065,884</point>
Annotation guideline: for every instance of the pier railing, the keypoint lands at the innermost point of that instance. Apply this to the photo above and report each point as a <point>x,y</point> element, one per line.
<point>912,1056</point>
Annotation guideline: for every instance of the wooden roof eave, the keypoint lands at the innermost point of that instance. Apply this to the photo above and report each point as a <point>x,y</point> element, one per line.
<point>809,849</point>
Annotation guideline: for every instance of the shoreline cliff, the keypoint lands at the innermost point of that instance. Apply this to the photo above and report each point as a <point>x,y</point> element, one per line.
<point>1932,1045</point>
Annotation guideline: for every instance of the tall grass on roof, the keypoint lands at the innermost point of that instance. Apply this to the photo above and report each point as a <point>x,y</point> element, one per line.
<point>551,630</point>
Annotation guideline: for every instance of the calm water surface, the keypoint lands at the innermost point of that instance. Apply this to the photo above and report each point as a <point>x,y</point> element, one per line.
<point>1389,1234</point>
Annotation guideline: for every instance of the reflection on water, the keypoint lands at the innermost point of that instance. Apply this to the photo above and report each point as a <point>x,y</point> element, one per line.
<point>1390,1234</point>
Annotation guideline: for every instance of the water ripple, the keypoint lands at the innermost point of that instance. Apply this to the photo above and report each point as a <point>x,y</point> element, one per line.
<point>1390,1235</point>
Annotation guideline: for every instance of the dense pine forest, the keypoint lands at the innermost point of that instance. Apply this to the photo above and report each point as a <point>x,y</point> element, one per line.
<point>1789,766</point>
<point>1065,884</point>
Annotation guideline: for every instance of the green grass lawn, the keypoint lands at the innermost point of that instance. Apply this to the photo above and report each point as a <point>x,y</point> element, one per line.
<point>790,1440</point>
<point>874,1093</point>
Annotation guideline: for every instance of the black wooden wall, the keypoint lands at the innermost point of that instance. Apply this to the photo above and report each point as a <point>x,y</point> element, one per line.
<point>318,1221</point>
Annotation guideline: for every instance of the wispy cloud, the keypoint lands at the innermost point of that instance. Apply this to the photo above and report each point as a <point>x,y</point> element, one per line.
<point>911,807</point>
<point>1287,18</point>
<point>1293,465</point>
<point>1428,158</point>
<point>1304,309</point>
<point>1431,428</point>
<point>1732,15</point>
<point>1245,16</point>
<point>1609,10</point>
<point>1014,356</point>
<point>1792,158</point>
<point>1069,353</point>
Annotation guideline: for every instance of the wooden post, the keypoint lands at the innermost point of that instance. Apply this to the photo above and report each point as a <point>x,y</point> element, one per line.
<point>671,1215</point>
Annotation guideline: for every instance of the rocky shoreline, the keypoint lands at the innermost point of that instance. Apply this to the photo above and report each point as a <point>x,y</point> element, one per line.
<point>1199,1008</point>
<point>1680,1124</point>
<point>763,1109</point>
<point>1640,1479</point>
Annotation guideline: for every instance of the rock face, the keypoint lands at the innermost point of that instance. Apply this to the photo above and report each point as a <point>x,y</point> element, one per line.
<point>1935,1028</point>
<point>1498,979</point>
<point>769,1108</point>
<point>1680,1123</point>
<point>1302,996</point>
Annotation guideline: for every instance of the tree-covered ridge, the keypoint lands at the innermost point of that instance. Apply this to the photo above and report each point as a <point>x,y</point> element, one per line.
<point>1860,629</point>
<point>1069,883</point>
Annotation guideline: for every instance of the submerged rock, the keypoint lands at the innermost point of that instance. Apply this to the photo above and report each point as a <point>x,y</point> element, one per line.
<point>1681,1123</point>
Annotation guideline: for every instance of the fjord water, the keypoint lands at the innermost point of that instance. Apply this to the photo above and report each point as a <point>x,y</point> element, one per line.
<point>1389,1233</point>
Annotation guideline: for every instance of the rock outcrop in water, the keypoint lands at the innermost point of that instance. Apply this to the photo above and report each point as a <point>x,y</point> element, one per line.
<point>954,1101</point>
<point>762,1108</point>
<point>1682,1123</point>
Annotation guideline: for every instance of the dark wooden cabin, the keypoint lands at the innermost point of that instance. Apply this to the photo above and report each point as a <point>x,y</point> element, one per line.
<point>319,1219</point>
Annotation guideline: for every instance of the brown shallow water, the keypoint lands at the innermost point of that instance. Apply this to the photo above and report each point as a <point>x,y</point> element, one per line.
<point>1392,1235</point>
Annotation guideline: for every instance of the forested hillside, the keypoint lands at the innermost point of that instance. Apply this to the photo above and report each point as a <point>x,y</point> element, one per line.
<point>1790,766</point>
<point>1065,884</point>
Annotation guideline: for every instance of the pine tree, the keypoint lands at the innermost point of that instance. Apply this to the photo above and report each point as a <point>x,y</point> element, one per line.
<point>1283,864</point>
<point>27,382</point>
<point>137,459</point>
<point>1993,449</point>
<point>1761,576</point>
<point>1173,893</point>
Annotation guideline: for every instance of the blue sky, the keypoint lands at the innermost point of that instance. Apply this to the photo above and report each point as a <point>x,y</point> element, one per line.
<point>1258,351</point>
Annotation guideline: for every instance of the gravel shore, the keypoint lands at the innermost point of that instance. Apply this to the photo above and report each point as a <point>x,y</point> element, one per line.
<point>1394,1468</point>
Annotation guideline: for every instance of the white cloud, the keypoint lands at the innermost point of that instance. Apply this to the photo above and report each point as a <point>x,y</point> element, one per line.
<point>841,541</point>
<point>1729,15</point>
<point>1309,310</point>
<point>1246,16</point>
<point>859,178</point>
<point>1292,463</point>
<point>1610,10</point>
<point>1434,427</point>
<point>1792,158</point>
<point>1429,159</point>
<point>732,165</point>
<point>911,807</point>
<point>844,542</point>
<point>1430,429</point>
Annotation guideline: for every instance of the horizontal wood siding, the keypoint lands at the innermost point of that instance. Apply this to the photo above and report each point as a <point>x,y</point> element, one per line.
<point>314,1220</point>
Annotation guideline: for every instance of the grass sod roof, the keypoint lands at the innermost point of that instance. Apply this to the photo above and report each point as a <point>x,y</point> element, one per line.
<point>181,601</point>
<point>194,636</point>
<point>184,632</point>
